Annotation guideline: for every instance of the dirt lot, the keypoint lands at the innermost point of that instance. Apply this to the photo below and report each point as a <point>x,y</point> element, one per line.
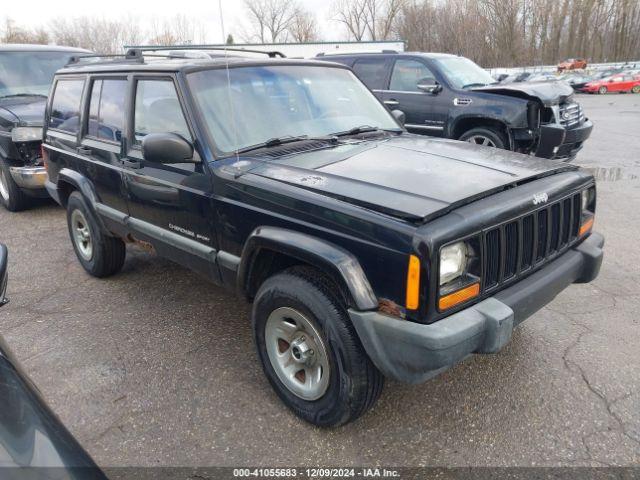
<point>156,367</point>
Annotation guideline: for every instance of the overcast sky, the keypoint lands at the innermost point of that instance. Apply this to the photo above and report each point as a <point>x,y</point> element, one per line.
<point>33,13</point>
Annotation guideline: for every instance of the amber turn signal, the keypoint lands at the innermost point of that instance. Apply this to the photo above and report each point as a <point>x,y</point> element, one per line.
<point>586,227</point>
<point>413,283</point>
<point>459,296</point>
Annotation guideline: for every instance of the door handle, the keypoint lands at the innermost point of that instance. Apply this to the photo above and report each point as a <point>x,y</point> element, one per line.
<point>134,164</point>
<point>391,102</point>
<point>84,150</point>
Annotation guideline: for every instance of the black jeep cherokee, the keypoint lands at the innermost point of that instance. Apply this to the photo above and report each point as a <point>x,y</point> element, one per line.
<point>366,250</point>
<point>450,96</point>
<point>26,73</point>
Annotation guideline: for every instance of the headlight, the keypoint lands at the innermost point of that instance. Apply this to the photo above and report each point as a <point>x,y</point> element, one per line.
<point>26,134</point>
<point>588,196</point>
<point>453,260</point>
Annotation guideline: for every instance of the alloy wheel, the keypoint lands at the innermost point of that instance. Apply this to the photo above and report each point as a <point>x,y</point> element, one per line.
<point>481,140</point>
<point>4,186</point>
<point>297,353</point>
<point>81,235</point>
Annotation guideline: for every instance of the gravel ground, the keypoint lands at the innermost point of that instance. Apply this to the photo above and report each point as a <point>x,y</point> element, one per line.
<point>156,367</point>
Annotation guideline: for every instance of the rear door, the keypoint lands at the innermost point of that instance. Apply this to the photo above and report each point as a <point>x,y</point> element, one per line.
<point>426,113</point>
<point>374,73</point>
<point>169,204</point>
<point>101,144</point>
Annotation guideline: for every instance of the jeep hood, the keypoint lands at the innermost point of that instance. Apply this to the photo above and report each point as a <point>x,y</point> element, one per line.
<point>23,110</point>
<point>549,93</point>
<point>409,176</point>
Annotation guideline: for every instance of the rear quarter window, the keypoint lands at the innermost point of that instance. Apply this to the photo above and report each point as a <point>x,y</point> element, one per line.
<point>372,71</point>
<point>65,106</point>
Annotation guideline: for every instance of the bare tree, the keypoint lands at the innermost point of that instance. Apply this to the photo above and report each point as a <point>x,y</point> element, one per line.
<point>12,33</point>
<point>271,20</point>
<point>179,30</point>
<point>369,19</point>
<point>303,27</point>
<point>353,15</point>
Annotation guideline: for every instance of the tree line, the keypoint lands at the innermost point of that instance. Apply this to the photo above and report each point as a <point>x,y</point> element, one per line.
<point>494,33</point>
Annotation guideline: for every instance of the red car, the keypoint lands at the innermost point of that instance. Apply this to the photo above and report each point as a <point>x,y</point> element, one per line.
<point>621,82</point>
<point>572,64</point>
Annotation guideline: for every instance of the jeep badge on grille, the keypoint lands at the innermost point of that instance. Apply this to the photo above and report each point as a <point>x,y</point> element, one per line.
<point>539,198</point>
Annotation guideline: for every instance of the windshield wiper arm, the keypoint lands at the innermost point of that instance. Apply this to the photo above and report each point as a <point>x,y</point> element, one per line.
<point>366,129</point>
<point>24,95</point>
<point>276,141</point>
<point>468,85</point>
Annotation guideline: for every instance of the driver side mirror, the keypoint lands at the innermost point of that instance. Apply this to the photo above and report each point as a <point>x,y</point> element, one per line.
<point>429,85</point>
<point>166,148</point>
<point>399,116</point>
<point>3,275</point>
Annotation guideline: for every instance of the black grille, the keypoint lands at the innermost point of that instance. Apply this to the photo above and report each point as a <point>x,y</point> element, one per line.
<point>532,239</point>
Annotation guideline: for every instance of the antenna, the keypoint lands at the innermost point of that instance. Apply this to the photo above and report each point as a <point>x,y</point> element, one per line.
<point>226,59</point>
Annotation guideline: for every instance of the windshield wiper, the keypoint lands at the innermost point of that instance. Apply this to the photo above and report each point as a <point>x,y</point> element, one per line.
<point>24,95</point>
<point>469,85</point>
<point>365,129</point>
<point>276,141</point>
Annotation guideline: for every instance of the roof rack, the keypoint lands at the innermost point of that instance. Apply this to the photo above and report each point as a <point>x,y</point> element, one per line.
<point>147,48</point>
<point>131,55</point>
<point>331,54</point>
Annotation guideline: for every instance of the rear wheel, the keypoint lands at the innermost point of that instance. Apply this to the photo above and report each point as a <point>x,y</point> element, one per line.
<point>100,254</point>
<point>635,89</point>
<point>602,90</point>
<point>11,195</point>
<point>309,350</point>
<point>486,136</point>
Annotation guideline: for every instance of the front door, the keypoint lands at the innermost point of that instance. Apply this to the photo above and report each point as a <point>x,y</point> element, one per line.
<point>170,205</point>
<point>425,113</point>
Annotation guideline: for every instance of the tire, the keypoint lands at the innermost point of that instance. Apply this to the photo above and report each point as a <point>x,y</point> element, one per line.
<point>99,254</point>
<point>11,195</point>
<point>487,136</point>
<point>635,89</point>
<point>602,90</point>
<point>350,385</point>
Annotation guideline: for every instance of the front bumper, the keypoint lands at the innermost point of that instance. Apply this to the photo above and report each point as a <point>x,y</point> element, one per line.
<point>412,352</point>
<point>559,143</point>
<point>29,178</point>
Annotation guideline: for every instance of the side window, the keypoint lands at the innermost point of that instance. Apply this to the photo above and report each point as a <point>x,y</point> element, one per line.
<point>158,110</point>
<point>65,107</point>
<point>106,109</point>
<point>371,71</point>
<point>407,74</point>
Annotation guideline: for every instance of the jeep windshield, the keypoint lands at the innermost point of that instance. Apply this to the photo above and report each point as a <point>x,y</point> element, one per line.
<point>463,73</point>
<point>29,73</point>
<point>247,107</point>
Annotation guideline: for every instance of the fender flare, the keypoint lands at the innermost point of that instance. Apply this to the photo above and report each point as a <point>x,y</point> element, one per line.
<point>324,255</point>
<point>85,187</point>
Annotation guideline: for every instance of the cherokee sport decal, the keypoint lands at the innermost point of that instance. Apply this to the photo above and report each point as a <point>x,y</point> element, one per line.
<point>189,233</point>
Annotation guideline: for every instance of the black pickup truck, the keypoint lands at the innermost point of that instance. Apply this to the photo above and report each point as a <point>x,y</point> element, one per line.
<point>26,72</point>
<point>449,96</point>
<point>367,251</point>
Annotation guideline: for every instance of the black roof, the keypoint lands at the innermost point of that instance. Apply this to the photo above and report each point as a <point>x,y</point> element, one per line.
<point>25,47</point>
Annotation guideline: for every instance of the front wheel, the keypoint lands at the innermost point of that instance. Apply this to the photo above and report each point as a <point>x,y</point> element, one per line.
<point>99,254</point>
<point>602,90</point>
<point>486,136</point>
<point>310,351</point>
<point>11,196</point>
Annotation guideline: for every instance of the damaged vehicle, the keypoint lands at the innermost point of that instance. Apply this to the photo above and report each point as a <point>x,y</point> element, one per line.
<point>450,96</point>
<point>367,251</point>
<point>26,72</point>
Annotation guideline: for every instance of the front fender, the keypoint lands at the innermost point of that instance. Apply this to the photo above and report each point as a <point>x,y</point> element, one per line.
<point>324,255</point>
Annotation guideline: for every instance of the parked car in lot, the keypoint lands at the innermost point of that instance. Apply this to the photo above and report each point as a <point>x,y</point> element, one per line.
<point>621,83</point>
<point>26,72</point>
<point>33,441</point>
<point>450,96</point>
<point>572,64</point>
<point>367,251</point>
<point>577,81</point>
